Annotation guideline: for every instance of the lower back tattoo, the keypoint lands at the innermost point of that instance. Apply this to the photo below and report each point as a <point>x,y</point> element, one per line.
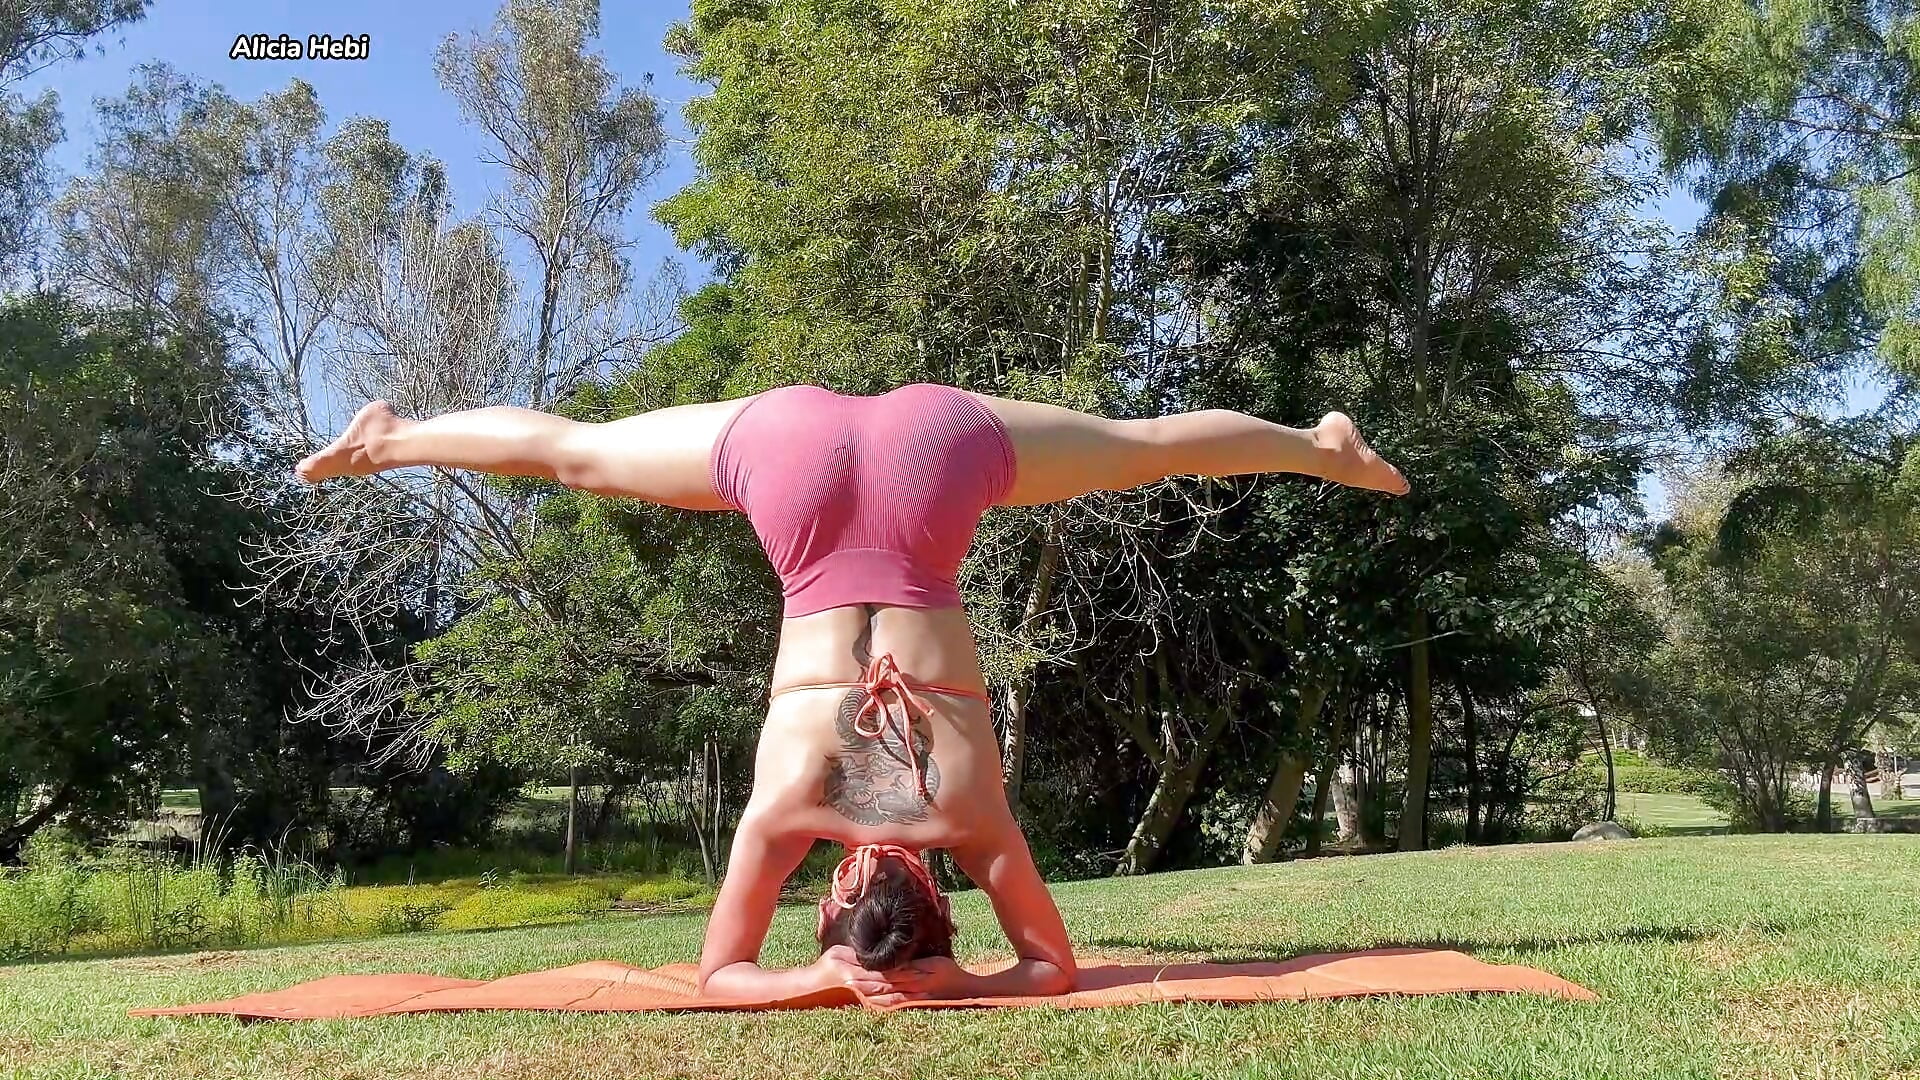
<point>870,781</point>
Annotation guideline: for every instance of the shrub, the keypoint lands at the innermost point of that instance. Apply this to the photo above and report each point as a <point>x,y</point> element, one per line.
<point>1666,780</point>
<point>1562,804</point>
<point>1640,828</point>
<point>1798,812</point>
<point>43,909</point>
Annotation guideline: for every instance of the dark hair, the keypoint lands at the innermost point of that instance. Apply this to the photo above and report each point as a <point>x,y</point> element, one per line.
<point>894,923</point>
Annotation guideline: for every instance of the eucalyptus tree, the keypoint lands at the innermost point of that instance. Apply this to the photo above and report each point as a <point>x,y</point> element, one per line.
<point>33,38</point>
<point>204,211</point>
<point>139,228</point>
<point>575,150</point>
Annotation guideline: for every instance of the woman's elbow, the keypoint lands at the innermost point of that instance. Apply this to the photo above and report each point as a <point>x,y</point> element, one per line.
<point>1055,979</point>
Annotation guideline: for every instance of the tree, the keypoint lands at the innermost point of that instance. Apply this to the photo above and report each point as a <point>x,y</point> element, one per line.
<point>34,37</point>
<point>962,192</point>
<point>1478,206</point>
<point>116,649</point>
<point>1788,628</point>
<point>1794,120</point>
<point>1846,523</point>
<point>576,149</point>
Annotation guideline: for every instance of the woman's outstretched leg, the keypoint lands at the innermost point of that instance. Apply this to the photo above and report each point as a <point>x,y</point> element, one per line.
<point>661,456</point>
<point>1062,453</point>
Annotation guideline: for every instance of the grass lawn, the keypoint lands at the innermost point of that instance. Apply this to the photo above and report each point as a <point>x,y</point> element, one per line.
<point>1742,956</point>
<point>1690,815</point>
<point>1679,814</point>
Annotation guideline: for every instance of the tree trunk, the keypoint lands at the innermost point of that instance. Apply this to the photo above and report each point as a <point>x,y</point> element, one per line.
<point>1862,798</point>
<point>1606,751</point>
<point>1324,778</point>
<point>1362,789</point>
<point>719,814</point>
<point>1346,805</point>
<point>1270,824</point>
<point>1178,778</point>
<point>573,804</point>
<point>603,813</point>
<point>1413,808</point>
<point>1283,789</point>
<point>1889,765</point>
<point>1823,816</point>
<point>15,835</point>
<point>1470,725</point>
<point>696,803</point>
<point>1014,748</point>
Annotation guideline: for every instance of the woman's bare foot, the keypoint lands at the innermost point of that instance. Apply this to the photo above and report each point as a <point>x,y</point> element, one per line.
<point>1354,462</point>
<point>350,454</point>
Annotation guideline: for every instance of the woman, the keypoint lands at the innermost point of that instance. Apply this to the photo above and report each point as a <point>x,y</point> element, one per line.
<point>878,734</point>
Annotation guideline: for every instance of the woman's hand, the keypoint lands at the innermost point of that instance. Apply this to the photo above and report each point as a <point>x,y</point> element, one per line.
<point>936,978</point>
<point>930,977</point>
<point>838,966</point>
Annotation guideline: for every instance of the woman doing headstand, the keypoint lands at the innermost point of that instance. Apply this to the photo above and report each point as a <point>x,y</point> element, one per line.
<point>878,734</point>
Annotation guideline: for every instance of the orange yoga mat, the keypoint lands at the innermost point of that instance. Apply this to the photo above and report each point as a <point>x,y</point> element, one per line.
<point>605,986</point>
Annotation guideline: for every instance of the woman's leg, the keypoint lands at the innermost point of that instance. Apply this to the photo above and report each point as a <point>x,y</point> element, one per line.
<point>1061,453</point>
<point>661,456</point>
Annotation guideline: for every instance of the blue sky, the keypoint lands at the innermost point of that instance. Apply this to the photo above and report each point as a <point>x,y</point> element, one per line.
<point>396,82</point>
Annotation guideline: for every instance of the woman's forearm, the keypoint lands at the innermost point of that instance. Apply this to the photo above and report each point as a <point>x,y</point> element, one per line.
<point>1026,978</point>
<point>747,980</point>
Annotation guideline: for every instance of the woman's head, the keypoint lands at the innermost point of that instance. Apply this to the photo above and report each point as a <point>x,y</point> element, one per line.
<point>885,907</point>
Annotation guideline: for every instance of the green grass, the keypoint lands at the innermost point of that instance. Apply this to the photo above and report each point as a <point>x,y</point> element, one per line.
<point>1689,815</point>
<point>1681,815</point>
<point>1743,956</point>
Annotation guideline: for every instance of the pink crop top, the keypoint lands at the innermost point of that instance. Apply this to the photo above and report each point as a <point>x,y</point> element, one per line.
<point>864,500</point>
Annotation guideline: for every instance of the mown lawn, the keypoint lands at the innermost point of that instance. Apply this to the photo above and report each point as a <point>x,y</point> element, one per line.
<point>1679,814</point>
<point>1690,815</point>
<point>1741,956</point>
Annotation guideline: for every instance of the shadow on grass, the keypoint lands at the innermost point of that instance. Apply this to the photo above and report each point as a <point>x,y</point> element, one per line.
<point>1671,935</point>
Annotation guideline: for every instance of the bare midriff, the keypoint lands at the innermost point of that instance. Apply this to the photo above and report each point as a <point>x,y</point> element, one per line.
<point>931,645</point>
<point>807,743</point>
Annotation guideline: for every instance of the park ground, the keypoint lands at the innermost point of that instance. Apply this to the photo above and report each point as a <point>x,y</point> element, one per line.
<point>1714,956</point>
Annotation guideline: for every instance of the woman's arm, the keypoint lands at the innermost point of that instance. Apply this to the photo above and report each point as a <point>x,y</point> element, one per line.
<point>1001,864</point>
<point>763,856</point>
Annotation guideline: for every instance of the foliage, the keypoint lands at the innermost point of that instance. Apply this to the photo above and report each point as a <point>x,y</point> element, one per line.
<point>114,628</point>
<point>1423,214</point>
<point>1667,780</point>
<point>1788,622</point>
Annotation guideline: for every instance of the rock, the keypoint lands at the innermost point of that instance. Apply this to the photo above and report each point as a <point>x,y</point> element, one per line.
<point>1603,830</point>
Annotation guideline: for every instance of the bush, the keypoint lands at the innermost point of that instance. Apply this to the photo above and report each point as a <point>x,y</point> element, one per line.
<point>43,910</point>
<point>1562,804</point>
<point>1666,780</point>
<point>1640,828</point>
<point>1799,810</point>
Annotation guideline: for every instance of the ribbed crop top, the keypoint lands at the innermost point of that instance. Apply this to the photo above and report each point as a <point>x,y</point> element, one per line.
<point>864,500</point>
